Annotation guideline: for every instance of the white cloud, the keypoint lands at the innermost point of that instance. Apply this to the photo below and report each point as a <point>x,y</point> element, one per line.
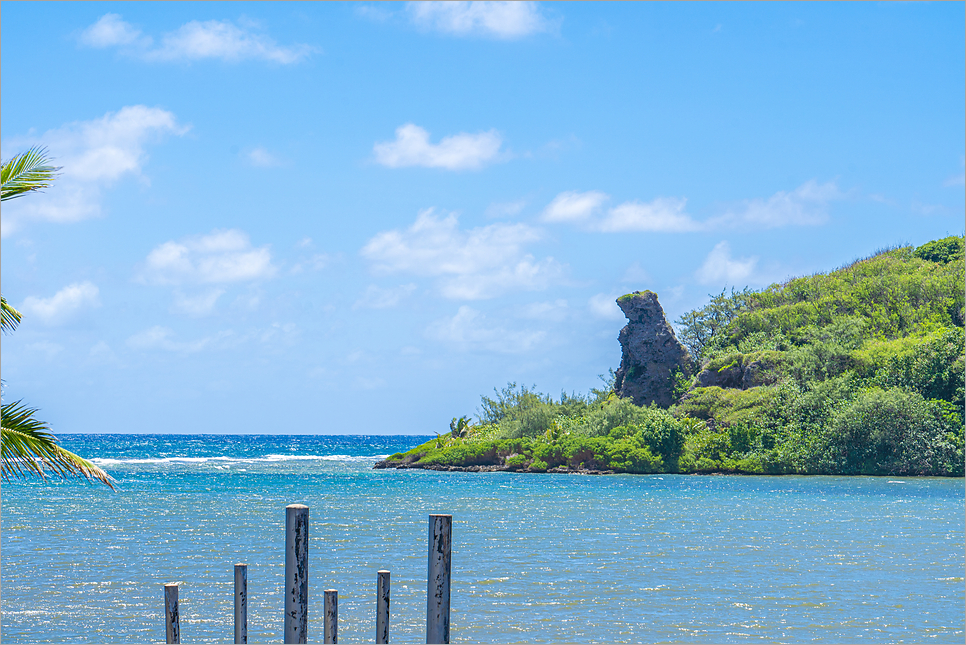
<point>165,339</point>
<point>93,155</point>
<point>920,208</point>
<point>288,333</point>
<point>262,158</point>
<point>221,257</point>
<point>159,337</point>
<point>719,267</point>
<point>101,352</point>
<point>572,206</point>
<point>604,305</point>
<point>369,383</point>
<point>63,304</point>
<point>373,12</point>
<point>195,40</point>
<point>527,274</point>
<point>199,305</point>
<point>221,39</point>
<point>479,263</point>
<point>555,311</point>
<point>47,348</point>
<point>378,298</point>
<point>459,152</point>
<point>662,215</point>
<point>468,330</point>
<point>506,20</point>
<point>110,31</point>
<point>316,262</point>
<point>635,273</point>
<point>807,205</point>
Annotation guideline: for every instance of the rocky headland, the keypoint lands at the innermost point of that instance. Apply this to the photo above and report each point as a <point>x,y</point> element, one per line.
<point>651,356</point>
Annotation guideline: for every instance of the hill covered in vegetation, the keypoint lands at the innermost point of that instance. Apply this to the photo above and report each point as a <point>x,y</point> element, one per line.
<point>856,371</point>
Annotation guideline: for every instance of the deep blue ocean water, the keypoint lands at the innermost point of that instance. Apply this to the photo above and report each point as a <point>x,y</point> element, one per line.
<point>536,558</point>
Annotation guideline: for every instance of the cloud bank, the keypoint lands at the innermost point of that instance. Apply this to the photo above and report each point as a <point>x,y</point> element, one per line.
<point>193,41</point>
<point>93,156</point>
<point>469,330</point>
<point>221,257</point>
<point>807,205</point>
<point>469,264</point>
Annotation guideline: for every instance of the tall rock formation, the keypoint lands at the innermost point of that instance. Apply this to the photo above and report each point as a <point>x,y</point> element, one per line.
<point>650,352</point>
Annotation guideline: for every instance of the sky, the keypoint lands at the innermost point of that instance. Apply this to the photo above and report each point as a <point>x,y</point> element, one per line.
<point>307,218</point>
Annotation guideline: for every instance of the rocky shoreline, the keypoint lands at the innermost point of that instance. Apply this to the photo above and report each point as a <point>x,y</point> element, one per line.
<point>385,463</point>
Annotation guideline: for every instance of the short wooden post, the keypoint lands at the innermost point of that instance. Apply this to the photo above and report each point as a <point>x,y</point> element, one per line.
<point>241,603</point>
<point>296,573</point>
<point>438,578</point>
<point>331,616</point>
<point>382,606</point>
<point>172,622</point>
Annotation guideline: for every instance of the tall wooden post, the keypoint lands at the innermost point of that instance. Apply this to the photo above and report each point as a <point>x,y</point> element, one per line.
<point>382,606</point>
<point>296,573</point>
<point>241,603</point>
<point>172,621</point>
<point>438,578</point>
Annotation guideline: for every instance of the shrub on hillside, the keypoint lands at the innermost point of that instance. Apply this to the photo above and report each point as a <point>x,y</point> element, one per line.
<point>890,432</point>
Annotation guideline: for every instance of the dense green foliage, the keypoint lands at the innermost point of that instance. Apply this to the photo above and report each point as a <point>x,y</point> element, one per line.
<point>857,371</point>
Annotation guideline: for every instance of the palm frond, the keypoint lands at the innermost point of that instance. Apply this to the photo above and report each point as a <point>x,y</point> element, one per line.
<point>27,172</point>
<point>9,317</point>
<point>29,448</point>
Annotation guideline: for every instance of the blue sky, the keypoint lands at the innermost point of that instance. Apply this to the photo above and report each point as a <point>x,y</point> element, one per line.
<point>355,218</point>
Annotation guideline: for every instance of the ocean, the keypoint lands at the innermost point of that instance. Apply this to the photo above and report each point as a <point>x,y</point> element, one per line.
<point>536,558</point>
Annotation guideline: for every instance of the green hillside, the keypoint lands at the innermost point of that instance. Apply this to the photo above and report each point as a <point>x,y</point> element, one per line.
<point>856,371</point>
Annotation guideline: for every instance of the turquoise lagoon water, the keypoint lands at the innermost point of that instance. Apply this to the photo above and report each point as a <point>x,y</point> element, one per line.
<point>536,558</point>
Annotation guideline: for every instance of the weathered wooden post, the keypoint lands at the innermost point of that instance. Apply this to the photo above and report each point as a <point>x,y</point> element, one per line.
<point>331,630</point>
<point>172,622</point>
<point>296,573</point>
<point>241,603</point>
<point>382,606</point>
<point>438,578</point>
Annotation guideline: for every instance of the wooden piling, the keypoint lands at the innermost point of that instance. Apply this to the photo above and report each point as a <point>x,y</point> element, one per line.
<point>172,621</point>
<point>382,606</point>
<point>331,616</point>
<point>296,573</point>
<point>438,578</point>
<point>241,603</point>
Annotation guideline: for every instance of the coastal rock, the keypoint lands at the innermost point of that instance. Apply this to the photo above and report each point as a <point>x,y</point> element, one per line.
<point>743,371</point>
<point>650,352</point>
<point>728,376</point>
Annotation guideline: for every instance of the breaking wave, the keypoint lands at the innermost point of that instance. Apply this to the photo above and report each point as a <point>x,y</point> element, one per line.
<point>222,460</point>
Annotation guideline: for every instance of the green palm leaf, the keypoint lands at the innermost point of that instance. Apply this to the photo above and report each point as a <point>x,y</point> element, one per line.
<point>27,172</point>
<point>28,447</point>
<point>9,317</point>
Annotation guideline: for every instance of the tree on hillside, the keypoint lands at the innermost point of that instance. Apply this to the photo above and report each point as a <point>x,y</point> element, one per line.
<point>27,446</point>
